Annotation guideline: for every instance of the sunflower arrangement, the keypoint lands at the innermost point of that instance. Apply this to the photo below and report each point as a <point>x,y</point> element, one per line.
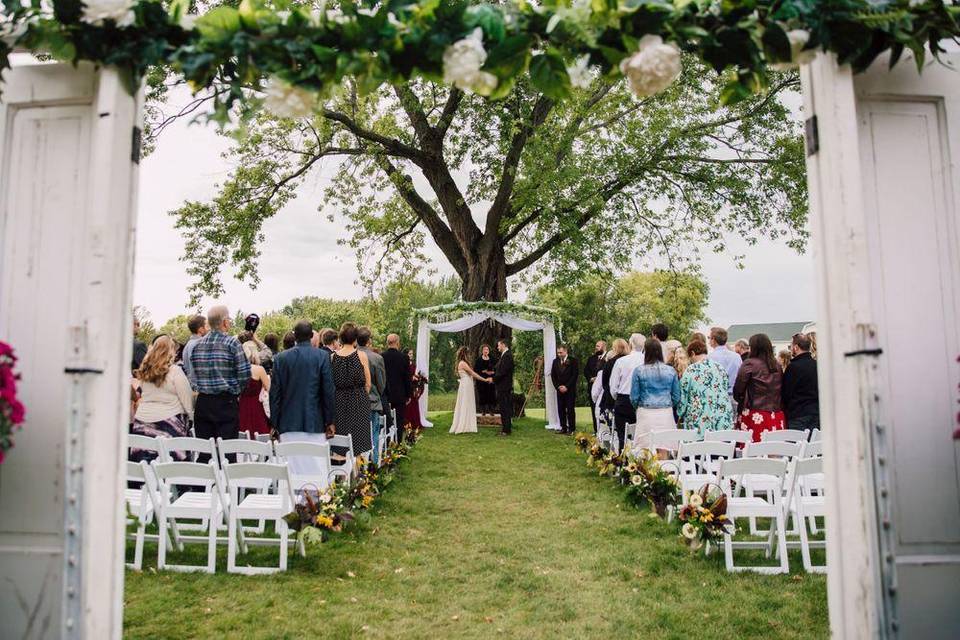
<point>704,517</point>
<point>583,442</point>
<point>320,513</point>
<point>651,483</point>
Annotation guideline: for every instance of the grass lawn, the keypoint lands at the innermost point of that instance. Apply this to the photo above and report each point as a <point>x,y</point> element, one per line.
<point>485,537</point>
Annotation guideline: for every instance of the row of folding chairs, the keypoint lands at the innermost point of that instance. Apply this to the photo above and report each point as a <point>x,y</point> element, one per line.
<point>220,497</point>
<point>774,479</point>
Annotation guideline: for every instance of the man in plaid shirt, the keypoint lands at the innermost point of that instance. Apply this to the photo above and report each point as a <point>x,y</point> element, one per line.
<point>221,371</point>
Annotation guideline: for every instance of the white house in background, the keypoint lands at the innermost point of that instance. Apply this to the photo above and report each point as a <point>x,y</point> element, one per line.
<point>780,333</point>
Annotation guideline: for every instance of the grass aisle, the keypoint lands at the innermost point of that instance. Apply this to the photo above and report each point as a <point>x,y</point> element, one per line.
<point>486,537</point>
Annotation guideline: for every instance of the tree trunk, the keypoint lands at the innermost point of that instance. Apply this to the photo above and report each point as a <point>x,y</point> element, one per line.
<point>486,280</point>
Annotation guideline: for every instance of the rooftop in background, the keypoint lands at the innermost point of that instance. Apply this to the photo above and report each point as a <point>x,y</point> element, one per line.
<point>776,331</point>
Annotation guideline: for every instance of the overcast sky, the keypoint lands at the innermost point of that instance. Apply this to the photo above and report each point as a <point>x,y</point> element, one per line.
<point>301,256</point>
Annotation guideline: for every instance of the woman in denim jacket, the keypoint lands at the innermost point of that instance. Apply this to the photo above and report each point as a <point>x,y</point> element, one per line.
<point>655,391</point>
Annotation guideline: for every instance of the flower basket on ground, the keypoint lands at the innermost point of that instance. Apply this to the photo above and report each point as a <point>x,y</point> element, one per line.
<point>11,410</point>
<point>704,518</point>
<point>652,483</point>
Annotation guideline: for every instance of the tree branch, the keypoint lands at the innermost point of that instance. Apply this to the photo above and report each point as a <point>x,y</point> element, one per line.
<point>392,145</point>
<point>448,113</point>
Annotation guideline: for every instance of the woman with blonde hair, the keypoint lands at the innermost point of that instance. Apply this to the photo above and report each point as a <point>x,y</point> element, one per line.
<point>465,411</point>
<point>253,415</point>
<point>681,360</point>
<point>166,400</point>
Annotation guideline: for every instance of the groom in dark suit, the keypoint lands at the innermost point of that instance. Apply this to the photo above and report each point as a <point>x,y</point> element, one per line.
<point>564,374</point>
<point>503,382</point>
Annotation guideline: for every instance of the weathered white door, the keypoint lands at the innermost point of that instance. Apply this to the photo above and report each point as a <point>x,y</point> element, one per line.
<point>885,221</point>
<point>66,231</point>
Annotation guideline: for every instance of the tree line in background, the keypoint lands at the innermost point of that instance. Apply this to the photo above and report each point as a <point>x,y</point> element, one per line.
<point>599,308</point>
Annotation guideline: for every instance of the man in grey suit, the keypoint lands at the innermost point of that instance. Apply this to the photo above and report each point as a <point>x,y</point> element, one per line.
<point>378,385</point>
<point>301,390</point>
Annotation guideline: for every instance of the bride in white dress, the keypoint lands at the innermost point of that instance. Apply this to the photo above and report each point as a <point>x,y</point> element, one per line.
<point>465,413</point>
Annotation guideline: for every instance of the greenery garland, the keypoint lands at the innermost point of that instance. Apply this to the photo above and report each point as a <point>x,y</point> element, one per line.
<point>298,54</point>
<point>446,312</point>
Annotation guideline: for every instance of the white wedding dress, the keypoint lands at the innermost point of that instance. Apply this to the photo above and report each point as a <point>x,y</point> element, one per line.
<point>465,413</point>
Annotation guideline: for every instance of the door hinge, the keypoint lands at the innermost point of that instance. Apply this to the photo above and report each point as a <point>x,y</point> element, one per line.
<point>135,147</point>
<point>811,135</point>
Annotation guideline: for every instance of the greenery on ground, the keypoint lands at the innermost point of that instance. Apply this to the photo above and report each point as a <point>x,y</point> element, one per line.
<point>485,537</point>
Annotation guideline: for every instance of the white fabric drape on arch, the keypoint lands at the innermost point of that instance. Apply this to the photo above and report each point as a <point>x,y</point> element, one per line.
<point>462,324</point>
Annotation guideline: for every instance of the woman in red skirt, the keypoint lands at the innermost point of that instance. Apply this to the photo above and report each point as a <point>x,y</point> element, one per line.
<point>757,389</point>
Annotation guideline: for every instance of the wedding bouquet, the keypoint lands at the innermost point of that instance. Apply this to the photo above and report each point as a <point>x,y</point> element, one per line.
<point>11,410</point>
<point>652,483</point>
<point>704,517</point>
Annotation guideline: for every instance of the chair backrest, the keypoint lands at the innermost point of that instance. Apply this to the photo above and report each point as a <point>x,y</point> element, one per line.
<point>316,471</point>
<point>728,435</point>
<point>772,449</point>
<point>255,475</point>
<point>703,455</point>
<point>671,438</point>
<point>784,435</point>
<point>191,446</point>
<point>808,467</point>
<point>263,437</point>
<point>249,450</point>
<point>629,434</point>
<point>816,435</point>
<point>136,472</point>
<point>192,474</point>
<point>812,449</point>
<point>244,435</point>
<point>342,441</point>
<point>748,466</point>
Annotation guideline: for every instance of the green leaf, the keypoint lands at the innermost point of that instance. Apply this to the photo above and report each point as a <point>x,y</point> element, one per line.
<point>248,12</point>
<point>548,73</point>
<point>509,58</point>
<point>487,18</point>
<point>221,23</point>
<point>776,43</point>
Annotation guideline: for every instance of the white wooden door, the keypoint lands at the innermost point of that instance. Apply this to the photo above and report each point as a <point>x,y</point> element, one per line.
<point>884,214</point>
<point>66,230</point>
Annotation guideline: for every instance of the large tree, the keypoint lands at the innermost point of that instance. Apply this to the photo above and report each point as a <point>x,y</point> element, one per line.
<point>501,186</point>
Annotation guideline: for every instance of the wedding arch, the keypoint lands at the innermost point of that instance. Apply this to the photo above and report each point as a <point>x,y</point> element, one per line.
<point>451,318</point>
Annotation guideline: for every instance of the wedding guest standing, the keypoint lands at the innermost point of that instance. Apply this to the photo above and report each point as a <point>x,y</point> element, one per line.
<point>222,371</point>
<point>704,402</point>
<point>253,417</point>
<point>289,340</point>
<point>620,349</point>
<point>399,381</point>
<point>621,380</point>
<point>783,359</point>
<point>591,371</point>
<point>417,383</point>
<point>272,342</point>
<point>139,347</point>
<point>351,378</point>
<point>302,390</point>
<point>378,386</point>
<point>328,340</point>
<point>757,389</point>
<point>198,328</point>
<point>722,355</point>
<point>564,374</point>
<point>654,391</point>
<point>166,401</point>
<point>801,393</point>
<point>503,381</point>
<point>485,365</point>
<point>742,347</point>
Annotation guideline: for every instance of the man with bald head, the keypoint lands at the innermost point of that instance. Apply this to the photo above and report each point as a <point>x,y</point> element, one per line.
<point>221,371</point>
<point>399,382</point>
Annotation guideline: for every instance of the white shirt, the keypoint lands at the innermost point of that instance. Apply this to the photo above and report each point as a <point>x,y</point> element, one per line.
<point>621,376</point>
<point>596,391</point>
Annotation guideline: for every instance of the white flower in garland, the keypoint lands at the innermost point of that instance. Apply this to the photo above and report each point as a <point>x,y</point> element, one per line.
<point>120,12</point>
<point>462,62</point>
<point>689,531</point>
<point>653,67</point>
<point>798,40</point>
<point>288,101</point>
<point>579,72</point>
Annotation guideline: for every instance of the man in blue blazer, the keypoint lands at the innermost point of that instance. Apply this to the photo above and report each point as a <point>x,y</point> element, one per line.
<point>301,389</point>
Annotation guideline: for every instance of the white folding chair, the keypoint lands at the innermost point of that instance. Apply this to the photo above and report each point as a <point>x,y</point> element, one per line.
<point>263,437</point>
<point>700,463</point>
<point>784,435</point>
<point>738,471</point>
<point>766,485</point>
<point>245,435</point>
<point>805,505</point>
<point>142,504</point>
<point>257,506</point>
<point>137,442</point>
<point>812,449</point>
<point>206,506</point>
<point>816,435</point>
<point>343,442</point>
<point>309,464</point>
<point>246,451</point>
<point>629,437</point>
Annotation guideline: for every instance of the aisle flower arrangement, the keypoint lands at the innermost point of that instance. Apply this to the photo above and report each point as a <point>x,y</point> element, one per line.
<point>322,513</point>
<point>652,483</point>
<point>11,409</point>
<point>704,517</point>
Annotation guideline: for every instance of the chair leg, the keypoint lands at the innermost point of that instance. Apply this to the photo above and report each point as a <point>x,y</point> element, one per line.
<point>284,538</point>
<point>804,540</point>
<point>212,543</point>
<point>782,542</point>
<point>163,543</point>
<point>728,551</point>
<point>232,543</point>
<point>138,547</point>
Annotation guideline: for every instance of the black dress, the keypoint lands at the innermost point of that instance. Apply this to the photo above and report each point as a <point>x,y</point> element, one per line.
<point>352,403</point>
<point>486,393</point>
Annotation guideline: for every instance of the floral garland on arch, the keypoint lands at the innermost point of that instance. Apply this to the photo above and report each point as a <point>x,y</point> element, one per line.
<point>297,55</point>
<point>11,410</point>
<point>446,312</point>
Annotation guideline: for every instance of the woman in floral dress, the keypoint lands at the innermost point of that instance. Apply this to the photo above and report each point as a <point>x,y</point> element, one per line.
<point>757,389</point>
<point>704,401</point>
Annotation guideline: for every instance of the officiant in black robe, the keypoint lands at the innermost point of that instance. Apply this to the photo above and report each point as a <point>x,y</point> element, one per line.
<point>486,365</point>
